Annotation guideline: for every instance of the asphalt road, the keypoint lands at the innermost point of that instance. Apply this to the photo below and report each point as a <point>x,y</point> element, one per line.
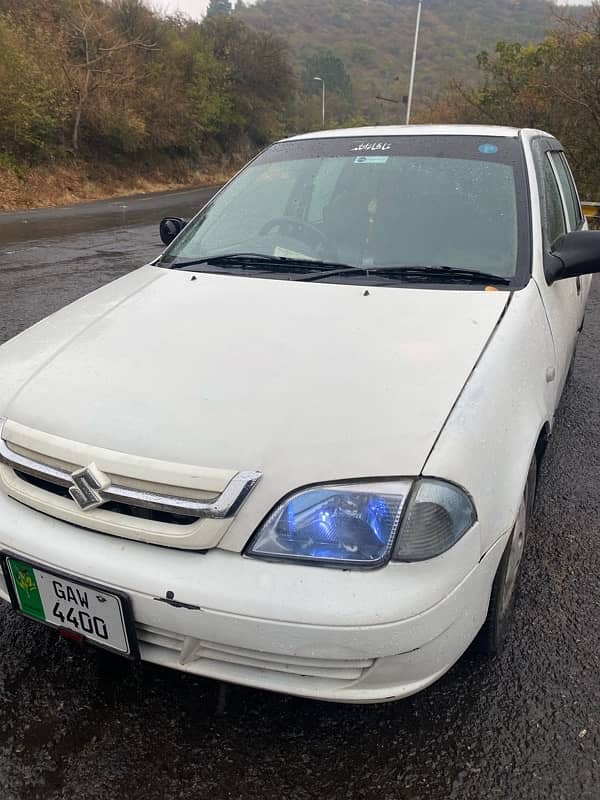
<point>78,723</point>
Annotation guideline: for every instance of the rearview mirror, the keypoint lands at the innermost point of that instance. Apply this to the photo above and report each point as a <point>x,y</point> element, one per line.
<point>575,253</point>
<point>170,227</point>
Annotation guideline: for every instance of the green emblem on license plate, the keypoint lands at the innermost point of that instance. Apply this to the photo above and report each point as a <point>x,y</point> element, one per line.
<point>27,589</point>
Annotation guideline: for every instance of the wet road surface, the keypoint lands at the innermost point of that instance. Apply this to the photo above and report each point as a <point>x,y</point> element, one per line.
<point>120,212</point>
<point>83,724</point>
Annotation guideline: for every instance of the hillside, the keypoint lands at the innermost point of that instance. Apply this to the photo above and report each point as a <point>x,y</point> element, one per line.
<point>374,38</point>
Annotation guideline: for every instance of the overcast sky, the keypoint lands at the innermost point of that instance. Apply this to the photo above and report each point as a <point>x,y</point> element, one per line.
<point>196,8</point>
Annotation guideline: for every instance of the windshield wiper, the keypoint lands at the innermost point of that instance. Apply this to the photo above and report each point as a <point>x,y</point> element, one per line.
<point>260,261</point>
<point>440,273</point>
<point>329,269</point>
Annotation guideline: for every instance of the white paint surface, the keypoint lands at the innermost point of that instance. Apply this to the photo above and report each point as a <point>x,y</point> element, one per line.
<point>307,383</point>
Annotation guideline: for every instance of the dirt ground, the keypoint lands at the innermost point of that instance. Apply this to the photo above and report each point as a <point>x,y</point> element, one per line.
<point>67,183</point>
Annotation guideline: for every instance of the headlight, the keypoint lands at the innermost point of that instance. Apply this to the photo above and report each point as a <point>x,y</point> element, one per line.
<point>351,524</point>
<point>363,524</point>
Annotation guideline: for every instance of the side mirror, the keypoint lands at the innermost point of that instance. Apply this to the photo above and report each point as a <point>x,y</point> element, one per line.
<point>575,253</point>
<point>170,227</point>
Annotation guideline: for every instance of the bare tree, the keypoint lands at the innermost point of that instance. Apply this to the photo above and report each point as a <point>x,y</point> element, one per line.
<point>92,47</point>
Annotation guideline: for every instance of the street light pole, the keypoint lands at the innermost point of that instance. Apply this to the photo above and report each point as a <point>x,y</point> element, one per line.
<point>414,64</point>
<point>323,103</point>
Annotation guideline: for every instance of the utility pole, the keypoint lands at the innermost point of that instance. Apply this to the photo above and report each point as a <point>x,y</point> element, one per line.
<point>414,64</point>
<point>323,99</point>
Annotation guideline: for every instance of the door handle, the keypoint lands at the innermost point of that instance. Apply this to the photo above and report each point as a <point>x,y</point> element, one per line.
<point>578,284</point>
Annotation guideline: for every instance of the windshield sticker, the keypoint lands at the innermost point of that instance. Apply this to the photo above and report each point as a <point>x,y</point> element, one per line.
<point>371,159</point>
<point>283,252</point>
<point>488,149</point>
<point>372,146</point>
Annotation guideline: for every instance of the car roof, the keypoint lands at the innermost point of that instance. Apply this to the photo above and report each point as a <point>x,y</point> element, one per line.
<point>415,130</point>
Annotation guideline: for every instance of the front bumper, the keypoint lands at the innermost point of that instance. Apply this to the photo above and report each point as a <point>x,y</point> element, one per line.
<point>347,636</point>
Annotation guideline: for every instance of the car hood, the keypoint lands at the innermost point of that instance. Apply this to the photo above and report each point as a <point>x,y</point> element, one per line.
<point>305,382</point>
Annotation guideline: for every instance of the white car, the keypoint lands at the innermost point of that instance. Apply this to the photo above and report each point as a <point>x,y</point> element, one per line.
<point>298,451</point>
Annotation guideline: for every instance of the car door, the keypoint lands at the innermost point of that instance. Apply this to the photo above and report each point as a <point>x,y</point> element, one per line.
<point>562,298</point>
<point>574,219</point>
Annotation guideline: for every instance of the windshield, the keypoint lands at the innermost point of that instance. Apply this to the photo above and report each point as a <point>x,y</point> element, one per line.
<point>456,201</point>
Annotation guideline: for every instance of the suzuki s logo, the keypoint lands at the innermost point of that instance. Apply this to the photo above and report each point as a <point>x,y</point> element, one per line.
<point>88,484</point>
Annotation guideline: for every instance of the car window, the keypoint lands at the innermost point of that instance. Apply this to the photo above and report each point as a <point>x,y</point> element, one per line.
<point>553,218</point>
<point>324,184</point>
<point>578,213</point>
<point>439,210</point>
<point>458,202</point>
<point>571,201</point>
<point>232,219</point>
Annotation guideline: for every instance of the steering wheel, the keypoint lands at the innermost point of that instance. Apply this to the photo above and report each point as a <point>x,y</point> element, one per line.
<point>296,227</point>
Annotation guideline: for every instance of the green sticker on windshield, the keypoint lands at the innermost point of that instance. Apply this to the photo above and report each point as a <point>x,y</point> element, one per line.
<point>371,159</point>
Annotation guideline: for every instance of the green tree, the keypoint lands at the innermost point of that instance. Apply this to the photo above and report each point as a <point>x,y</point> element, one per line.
<point>553,85</point>
<point>218,7</point>
<point>328,66</point>
<point>261,80</point>
<point>108,78</point>
<point>31,108</point>
<point>209,96</point>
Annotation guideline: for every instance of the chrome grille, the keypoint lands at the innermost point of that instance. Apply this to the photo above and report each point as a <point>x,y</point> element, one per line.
<point>133,496</point>
<point>119,508</point>
<point>224,505</point>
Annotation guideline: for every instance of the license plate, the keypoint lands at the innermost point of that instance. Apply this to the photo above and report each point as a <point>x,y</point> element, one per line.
<point>101,616</point>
